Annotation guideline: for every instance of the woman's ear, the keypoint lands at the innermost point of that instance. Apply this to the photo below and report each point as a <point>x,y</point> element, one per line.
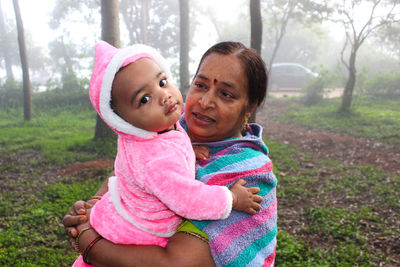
<point>252,108</point>
<point>247,115</point>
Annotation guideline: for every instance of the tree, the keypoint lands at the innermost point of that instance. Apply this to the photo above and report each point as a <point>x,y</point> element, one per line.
<point>24,63</point>
<point>153,22</point>
<point>380,13</point>
<point>6,48</point>
<point>256,25</point>
<point>145,20</point>
<point>64,57</point>
<point>135,14</point>
<point>255,34</point>
<point>109,33</point>
<point>280,12</point>
<point>389,37</point>
<point>184,46</point>
<point>225,29</point>
<point>67,49</point>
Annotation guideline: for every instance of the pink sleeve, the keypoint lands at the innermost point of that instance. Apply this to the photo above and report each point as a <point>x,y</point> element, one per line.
<point>175,185</point>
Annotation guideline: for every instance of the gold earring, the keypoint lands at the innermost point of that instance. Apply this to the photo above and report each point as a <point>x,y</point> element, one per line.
<point>245,124</point>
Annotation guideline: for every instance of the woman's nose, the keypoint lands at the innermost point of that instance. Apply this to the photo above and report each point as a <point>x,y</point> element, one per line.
<point>207,100</point>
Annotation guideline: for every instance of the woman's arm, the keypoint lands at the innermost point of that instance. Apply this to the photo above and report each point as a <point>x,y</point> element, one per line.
<point>181,250</point>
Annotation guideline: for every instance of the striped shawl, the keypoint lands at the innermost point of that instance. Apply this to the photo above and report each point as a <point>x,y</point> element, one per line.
<point>242,239</point>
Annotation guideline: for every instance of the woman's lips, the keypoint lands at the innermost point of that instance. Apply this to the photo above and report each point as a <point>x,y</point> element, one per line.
<point>202,119</point>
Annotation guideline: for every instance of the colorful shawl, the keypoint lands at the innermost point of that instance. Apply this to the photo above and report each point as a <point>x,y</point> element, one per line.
<point>242,239</point>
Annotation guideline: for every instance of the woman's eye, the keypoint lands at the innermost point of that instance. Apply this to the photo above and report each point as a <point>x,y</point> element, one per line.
<point>163,82</point>
<point>199,85</point>
<point>226,94</point>
<point>144,100</point>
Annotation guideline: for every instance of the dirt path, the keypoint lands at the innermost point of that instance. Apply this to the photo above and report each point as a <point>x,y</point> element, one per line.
<point>348,149</point>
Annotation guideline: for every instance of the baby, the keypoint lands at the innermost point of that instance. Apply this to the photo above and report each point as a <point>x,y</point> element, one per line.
<point>154,184</point>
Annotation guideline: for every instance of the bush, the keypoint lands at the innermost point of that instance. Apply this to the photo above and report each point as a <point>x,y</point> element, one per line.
<point>313,92</point>
<point>11,95</point>
<point>61,98</point>
<point>383,85</point>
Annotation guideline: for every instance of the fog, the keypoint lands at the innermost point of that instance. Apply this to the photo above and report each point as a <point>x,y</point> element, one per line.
<point>311,38</point>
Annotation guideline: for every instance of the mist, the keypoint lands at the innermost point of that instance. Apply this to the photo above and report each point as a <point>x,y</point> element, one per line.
<point>57,32</point>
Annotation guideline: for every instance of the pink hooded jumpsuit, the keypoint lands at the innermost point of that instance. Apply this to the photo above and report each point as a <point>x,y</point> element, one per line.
<point>155,184</point>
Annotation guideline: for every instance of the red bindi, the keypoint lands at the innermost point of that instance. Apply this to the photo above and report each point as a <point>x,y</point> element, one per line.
<point>215,81</point>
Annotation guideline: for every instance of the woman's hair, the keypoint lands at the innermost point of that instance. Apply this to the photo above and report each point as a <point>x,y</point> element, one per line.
<point>252,64</point>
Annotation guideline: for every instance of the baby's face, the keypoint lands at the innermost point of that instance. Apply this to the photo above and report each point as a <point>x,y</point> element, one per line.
<point>142,96</point>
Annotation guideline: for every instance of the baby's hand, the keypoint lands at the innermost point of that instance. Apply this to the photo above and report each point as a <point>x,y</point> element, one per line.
<point>201,152</point>
<point>244,199</point>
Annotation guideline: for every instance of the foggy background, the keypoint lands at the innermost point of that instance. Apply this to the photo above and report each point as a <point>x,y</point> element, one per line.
<point>60,36</point>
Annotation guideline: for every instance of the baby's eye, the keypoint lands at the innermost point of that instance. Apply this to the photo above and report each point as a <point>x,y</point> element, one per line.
<point>144,100</point>
<point>163,82</point>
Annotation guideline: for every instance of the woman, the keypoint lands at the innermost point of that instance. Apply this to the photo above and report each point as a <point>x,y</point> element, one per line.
<point>229,85</point>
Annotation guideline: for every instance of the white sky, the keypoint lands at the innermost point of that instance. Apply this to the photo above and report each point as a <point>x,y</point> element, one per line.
<point>36,15</point>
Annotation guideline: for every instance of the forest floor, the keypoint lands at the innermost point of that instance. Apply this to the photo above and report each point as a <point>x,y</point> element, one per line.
<point>345,149</point>
<point>348,149</point>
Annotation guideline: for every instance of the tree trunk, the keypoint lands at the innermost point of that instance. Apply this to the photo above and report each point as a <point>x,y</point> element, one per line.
<point>286,16</point>
<point>110,34</point>
<point>6,50</point>
<point>144,20</point>
<point>66,56</point>
<point>184,46</point>
<point>351,81</point>
<point>256,34</point>
<point>110,22</point>
<point>256,25</point>
<point>24,63</point>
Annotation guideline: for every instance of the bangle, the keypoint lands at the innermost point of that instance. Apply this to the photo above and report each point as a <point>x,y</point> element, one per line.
<point>94,197</point>
<point>89,247</point>
<point>79,235</point>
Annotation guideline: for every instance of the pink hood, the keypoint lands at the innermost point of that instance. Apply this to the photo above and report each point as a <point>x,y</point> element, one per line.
<point>107,61</point>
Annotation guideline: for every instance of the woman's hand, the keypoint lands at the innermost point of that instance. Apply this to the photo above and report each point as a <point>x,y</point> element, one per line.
<point>76,216</point>
<point>244,199</point>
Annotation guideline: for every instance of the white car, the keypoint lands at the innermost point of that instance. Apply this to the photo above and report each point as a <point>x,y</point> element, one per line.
<point>289,75</point>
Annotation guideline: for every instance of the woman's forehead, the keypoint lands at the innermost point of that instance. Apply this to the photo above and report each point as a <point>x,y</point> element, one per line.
<point>222,68</point>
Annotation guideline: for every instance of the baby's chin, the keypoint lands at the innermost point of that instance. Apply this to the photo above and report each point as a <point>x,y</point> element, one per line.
<point>170,126</point>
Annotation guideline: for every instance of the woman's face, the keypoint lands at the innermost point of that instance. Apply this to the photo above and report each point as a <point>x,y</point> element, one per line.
<point>217,101</point>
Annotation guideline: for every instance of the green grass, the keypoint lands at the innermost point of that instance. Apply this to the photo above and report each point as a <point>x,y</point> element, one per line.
<point>57,134</point>
<point>335,211</point>
<point>34,195</point>
<point>32,233</point>
<point>339,210</point>
<point>377,119</point>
